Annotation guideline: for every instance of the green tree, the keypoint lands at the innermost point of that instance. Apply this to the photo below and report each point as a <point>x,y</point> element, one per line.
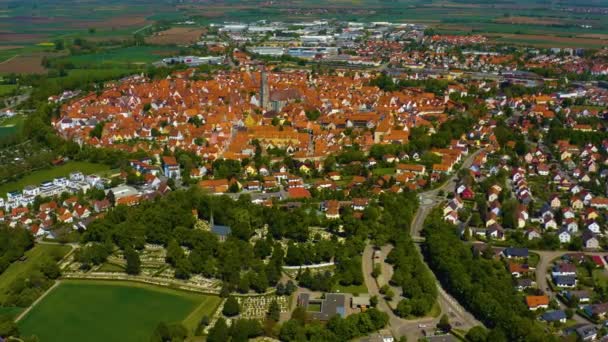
<point>219,332</point>
<point>274,311</point>
<point>8,327</point>
<point>444,323</point>
<point>477,334</point>
<point>133,261</point>
<point>231,307</point>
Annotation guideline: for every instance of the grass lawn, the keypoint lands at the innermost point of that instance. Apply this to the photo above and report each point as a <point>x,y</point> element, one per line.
<point>39,176</point>
<point>6,89</point>
<point>600,278</point>
<point>32,258</point>
<point>533,259</point>
<point>383,171</point>
<point>11,126</point>
<point>314,307</point>
<point>350,289</point>
<point>111,311</point>
<point>123,56</point>
<point>108,267</point>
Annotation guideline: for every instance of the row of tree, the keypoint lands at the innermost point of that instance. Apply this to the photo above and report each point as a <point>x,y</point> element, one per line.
<point>481,284</point>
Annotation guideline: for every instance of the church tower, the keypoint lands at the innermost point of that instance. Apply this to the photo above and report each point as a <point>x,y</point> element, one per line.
<point>264,90</point>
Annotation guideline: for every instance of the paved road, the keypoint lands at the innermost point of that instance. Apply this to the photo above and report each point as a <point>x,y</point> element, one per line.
<point>542,280</point>
<point>413,329</point>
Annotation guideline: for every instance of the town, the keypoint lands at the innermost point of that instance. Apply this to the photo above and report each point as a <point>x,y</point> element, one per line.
<point>377,180</point>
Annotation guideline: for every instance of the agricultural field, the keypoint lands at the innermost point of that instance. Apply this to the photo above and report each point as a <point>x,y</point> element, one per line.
<point>23,64</point>
<point>122,57</point>
<point>112,311</point>
<point>110,20</point>
<point>64,170</point>
<point>32,258</point>
<point>176,36</point>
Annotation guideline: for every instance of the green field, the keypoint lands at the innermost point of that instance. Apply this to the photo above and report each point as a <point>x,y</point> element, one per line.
<point>123,56</point>
<point>32,259</point>
<point>383,171</point>
<point>96,311</point>
<point>38,177</point>
<point>350,289</point>
<point>11,126</point>
<point>6,89</point>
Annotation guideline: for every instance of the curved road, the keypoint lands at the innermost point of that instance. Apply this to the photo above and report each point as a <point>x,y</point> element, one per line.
<point>413,329</point>
<point>542,275</point>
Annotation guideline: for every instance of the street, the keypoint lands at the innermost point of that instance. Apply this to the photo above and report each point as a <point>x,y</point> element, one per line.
<point>413,329</point>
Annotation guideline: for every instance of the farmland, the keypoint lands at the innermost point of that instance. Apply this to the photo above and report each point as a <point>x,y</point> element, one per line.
<point>122,56</point>
<point>116,20</point>
<point>83,310</point>
<point>176,35</point>
<point>23,64</point>
<point>39,176</point>
<point>32,259</point>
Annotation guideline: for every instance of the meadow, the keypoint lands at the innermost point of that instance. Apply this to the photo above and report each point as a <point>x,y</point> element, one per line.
<point>37,177</point>
<point>122,56</point>
<point>10,126</point>
<point>98,311</point>
<point>32,259</point>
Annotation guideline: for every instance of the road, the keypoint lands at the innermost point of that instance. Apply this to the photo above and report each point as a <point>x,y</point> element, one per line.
<point>413,329</point>
<point>544,263</point>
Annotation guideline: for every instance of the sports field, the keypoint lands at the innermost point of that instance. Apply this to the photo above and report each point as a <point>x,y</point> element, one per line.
<point>32,258</point>
<point>37,177</point>
<point>98,311</point>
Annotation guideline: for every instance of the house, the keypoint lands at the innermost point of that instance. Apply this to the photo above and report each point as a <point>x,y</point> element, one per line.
<point>537,302</point>
<point>564,269</point>
<point>587,332</point>
<point>495,232</point>
<point>414,168</point>
<point>576,203</point>
<point>518,270</point>
<point>597,310</point>
<point>171,167</point>
<point>102,205</point>
<point>515,252</point>
<point>564,236</point>
<point>549,223</point>
<point>532,234</point>
<point>525,283</point>
<point>332,209</point>
<point>582,296</point>
<point>599,202</point>
<point>467,194</point>
<point>298,193</point>
<point>554,316</point>
<point>555,202</point>
<point>571,225</point>
<point>333,304</point>
<point>360,203</point>
<point>593,227</point>
<point>589,240</point>
<point>215,185</point>
<point>565,281</point>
